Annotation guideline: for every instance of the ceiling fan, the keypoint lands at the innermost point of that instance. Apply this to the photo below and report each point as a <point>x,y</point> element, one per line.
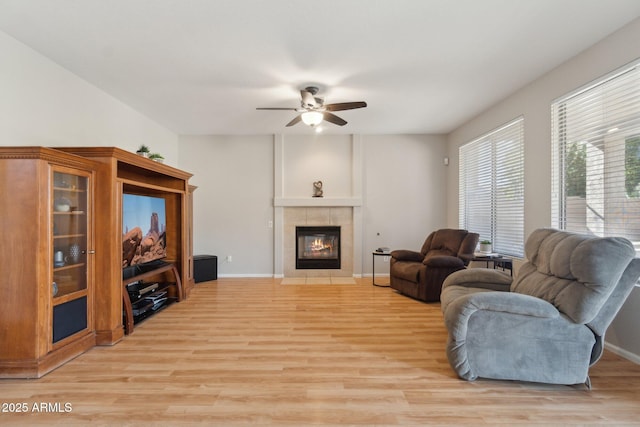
<point>313,109</point>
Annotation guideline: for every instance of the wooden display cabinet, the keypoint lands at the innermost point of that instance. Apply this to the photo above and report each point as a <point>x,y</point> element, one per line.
<point>46,259</point>
<point>122,172</point>
<point>190,266</point>
<point>53,200</point>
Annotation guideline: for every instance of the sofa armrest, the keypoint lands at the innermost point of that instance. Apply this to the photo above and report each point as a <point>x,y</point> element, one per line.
<point>406,255</point>
<point>479,278</point>
<point>443,261</point>
<point>466,306</point>
<point>506,302</point>
<point>466,258</point>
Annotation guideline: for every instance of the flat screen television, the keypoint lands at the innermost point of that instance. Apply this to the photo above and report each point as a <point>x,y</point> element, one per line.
<point>144,225</point>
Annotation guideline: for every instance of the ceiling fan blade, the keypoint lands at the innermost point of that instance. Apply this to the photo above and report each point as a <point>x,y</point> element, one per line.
<point>345,106</point>
<point>308,100</point>
<point>276,108</point>
<point>330,117</point>
<point>295,120</point>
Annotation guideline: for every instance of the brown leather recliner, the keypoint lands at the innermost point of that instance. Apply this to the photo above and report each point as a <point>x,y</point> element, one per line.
<point>420,274</point>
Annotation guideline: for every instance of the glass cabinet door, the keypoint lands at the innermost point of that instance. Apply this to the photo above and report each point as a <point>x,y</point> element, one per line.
<point>70,233</point>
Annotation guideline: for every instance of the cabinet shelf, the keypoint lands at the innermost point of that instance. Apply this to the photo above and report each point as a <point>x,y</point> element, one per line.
<point>173,289</point>
<point>68,236</point>
<point>68,267</point>
<point>68,297</point>
<point>69,213</point>
<point>145,308</point>
<point>70,190</point>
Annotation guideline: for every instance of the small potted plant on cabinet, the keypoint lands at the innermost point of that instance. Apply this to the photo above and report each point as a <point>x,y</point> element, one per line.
<point>143,151</point>
<point>485,246</point>
<point>157,157</point>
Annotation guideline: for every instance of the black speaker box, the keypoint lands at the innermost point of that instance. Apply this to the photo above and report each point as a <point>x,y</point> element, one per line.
<point>205,268</point>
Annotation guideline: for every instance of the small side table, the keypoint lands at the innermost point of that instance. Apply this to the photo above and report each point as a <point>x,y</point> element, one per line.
<point>498,261</point>
<point>373,268</point>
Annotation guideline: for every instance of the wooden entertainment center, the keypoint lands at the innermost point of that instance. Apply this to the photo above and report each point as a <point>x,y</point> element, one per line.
<point>61,257</point>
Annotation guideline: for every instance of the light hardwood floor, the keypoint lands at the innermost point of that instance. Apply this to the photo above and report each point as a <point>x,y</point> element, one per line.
<point>252,351</point>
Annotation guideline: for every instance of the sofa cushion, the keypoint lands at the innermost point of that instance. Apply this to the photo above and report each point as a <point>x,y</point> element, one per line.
<point>442,261</point>
<point>446,242</point>
<point>427,243</point>
<point>575,273</point>
<point>407,255</point>
<point>407,270</point>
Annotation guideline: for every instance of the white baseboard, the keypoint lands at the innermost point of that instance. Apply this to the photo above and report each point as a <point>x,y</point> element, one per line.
<point>232,276</point>
<point>277,276</point>
<point>623,353</point>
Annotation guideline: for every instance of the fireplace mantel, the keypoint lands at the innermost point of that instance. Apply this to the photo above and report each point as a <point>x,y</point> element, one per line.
<point>317,201</point>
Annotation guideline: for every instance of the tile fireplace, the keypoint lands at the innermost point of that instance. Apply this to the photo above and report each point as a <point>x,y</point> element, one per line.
<point>316,216</point>
<point>317,247</point>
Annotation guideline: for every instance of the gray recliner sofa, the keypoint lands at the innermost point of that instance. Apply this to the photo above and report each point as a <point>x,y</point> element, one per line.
<point>547,324</point>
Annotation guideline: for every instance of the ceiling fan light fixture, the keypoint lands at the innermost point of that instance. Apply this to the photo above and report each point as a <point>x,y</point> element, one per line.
<point>312,118</point>
<point>314,111</point>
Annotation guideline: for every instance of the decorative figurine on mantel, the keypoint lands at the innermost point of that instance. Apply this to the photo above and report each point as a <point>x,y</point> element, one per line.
<point>317,189</point>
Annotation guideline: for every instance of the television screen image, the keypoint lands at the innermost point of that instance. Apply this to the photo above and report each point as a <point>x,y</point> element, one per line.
<point>144,227</point>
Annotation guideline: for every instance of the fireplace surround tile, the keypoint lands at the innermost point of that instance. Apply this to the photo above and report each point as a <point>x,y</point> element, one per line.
<point>319,216</point>
<point>293,216</point>
<point>341,216</point>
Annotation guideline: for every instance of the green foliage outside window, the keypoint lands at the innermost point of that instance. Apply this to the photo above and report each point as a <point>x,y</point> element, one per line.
<point>632,166</point>
<point>576,170</point>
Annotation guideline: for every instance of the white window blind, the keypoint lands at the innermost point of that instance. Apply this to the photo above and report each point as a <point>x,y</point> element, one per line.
<point>596,157</point>
<point>491,193</point>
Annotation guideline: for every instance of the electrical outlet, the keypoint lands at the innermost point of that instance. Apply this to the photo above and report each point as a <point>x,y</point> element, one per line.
<point>229,258</point>
<point>270,224</point>
<point>385,258</point>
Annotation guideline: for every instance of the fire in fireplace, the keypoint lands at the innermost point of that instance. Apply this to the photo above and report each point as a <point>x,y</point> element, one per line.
<point>318,247</point>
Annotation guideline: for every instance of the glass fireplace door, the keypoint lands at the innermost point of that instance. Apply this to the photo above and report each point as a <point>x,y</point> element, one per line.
<point>318,247</point>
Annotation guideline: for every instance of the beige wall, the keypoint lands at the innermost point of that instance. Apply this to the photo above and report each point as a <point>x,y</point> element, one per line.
<point>405,191</point>
<point>403,182</point>
<point>42,103</point>
<point>234,200</point>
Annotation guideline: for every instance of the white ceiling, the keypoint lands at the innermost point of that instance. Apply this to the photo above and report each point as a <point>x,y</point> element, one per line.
<point>203,66</point>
